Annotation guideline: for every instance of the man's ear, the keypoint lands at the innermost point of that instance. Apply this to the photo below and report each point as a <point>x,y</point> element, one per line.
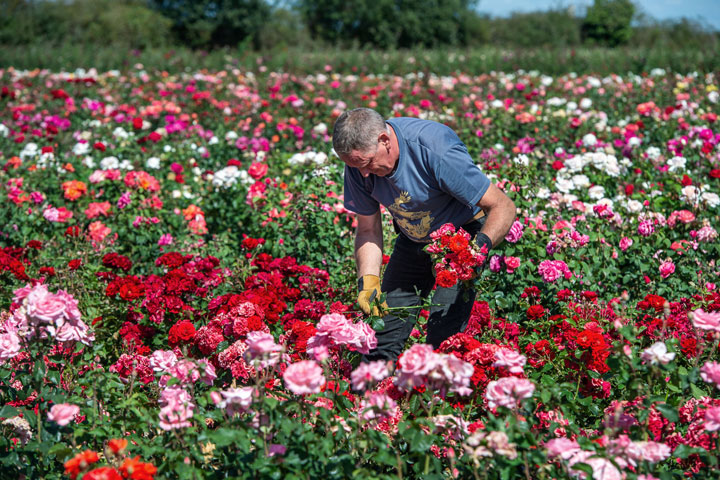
<point>384,138</point>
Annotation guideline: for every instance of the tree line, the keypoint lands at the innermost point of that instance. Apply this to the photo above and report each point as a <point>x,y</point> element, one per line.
<point>381,24</point>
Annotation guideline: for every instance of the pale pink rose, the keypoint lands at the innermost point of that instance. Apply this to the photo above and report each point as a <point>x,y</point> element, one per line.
<point>458,374</point>
<point>625,243</point>
<point>303,377</point>
<point>706,234</point>
<point>318,347</point>
<point>9,346</point>
<point>235,400</point>
<point>508,392</point>
<point>511,263</point>
<point>509,359</point>
<point>710,373</point>
<point>260,344</point>
<point>45,308</point>
<point>602,468</point>
<point>653,451</point>
<point>72,312</point>
<point>667,268</point>
<point>367,374</point>
<point>347,335</point>
<point>706,320</point>
<point>63,413</point>
<point>331,322</point>
<point>207,371</point>
<point>377,406</point>
<point>177,408</point>
<point>21,293</point>
<point>515,233</point>
<point>77,332</point>
<point>562,447</point>
<point>414,364</point>
<point>657,353</point>
<point>712,419</point>
<point>162,360</point>
<point>365,337</point>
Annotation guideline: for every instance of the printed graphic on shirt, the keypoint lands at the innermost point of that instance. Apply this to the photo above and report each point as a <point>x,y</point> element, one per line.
<point>408,221</point>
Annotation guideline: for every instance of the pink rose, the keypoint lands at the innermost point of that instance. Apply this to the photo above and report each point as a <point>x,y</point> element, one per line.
<point>646,228</point>
<point>414,364</point>
<point>9,346</point>
<point>515,233</point>
<point>78,332</point>
<point>45,307</point>
<point>667,268</point>
<point>509,359</point>
<point>653,451</point>
<point>508,392</point>
<point>562,447</point>
<point>625,243</point>
<point>162,360</point>
<point>305,376</point>
<point>710,373</point>
<point>511,263</point>
<point>368,373</point>
<point>705,320</point>
<point>63,413</point>
<point>366,338</point>
<point>377,406</point>
<point>712,419</point>
<point>551,270</point>
<point>260,344</point>
<point>235,400</point>
<point>602,468</point>
<point>657,353</point>
<point>446,229</point>
<point>331,322</point>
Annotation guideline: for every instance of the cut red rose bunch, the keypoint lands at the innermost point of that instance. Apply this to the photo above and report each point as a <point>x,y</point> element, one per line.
<point>455,256</point>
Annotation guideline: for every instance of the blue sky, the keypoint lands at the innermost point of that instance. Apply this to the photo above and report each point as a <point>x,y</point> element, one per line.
<point>705,11</point>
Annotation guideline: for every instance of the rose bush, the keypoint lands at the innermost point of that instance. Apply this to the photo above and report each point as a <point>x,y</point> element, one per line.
<point>177,281</point>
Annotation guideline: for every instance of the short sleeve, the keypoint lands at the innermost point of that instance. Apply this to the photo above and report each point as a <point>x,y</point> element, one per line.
<point>357,193</point>
<point>460,177</point>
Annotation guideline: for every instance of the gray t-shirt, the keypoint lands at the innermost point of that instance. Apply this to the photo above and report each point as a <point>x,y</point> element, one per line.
<point>436,181</point>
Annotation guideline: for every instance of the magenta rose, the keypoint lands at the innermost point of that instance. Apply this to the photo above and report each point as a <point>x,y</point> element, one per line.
<point>63,413</point>
<point>667,268</point>
<point>515,233</point>
<point>303,377</point>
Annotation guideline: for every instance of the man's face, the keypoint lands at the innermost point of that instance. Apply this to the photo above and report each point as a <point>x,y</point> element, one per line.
<point>380,162</point>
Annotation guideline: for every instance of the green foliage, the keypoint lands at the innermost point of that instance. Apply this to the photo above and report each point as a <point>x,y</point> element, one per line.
<point>211,23</point>
<point>125,23</point>
<point>391,23</point>
<point>551,28</point>
<point>607,22</point>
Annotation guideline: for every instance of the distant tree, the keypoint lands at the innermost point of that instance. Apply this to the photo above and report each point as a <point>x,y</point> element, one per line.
<point>209,23</point>
<point>389,23</point>
<point>607,22</point>
<point>557,28</point>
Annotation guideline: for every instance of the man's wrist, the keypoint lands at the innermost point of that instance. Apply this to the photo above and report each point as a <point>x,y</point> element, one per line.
<point>483,240</point>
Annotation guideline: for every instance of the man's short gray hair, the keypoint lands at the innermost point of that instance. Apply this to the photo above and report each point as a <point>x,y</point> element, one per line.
<point>357,129</point>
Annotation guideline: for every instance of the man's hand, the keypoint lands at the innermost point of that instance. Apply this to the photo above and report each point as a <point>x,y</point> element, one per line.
<point>485,244</point>
<point>368,291</point>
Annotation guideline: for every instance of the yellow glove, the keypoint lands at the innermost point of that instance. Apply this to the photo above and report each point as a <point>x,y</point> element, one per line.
<point>368,290</point>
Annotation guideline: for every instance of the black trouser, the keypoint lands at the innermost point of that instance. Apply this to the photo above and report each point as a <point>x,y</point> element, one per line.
<point>408,279</point>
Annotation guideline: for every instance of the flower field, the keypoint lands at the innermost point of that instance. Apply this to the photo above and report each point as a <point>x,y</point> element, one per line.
<point>177,281</point>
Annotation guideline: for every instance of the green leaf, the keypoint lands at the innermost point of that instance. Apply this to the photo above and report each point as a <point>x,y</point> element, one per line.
<point>668,412</point>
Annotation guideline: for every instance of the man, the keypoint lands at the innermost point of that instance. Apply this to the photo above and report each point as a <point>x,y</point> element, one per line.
<point>422,173</point>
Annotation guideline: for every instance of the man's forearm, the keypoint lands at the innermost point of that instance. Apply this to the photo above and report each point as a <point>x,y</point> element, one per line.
<point>368,250</point>
<point>499,220</point>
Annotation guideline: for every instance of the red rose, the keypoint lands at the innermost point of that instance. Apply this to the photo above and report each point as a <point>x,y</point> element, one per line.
<point>74,264</point>
<point>137,123</point>
<point>535,311</point>
<point>181,332</point>
<point>446,278</point>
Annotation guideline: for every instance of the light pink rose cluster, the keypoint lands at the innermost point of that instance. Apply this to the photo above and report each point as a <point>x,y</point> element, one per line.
<point>627,453</point>
<point>49,314</point>
<point>189,371</point>
<point>63,413</point>
<point>335,329</point>
<point>304,377</point>
<point>177,408</point>
<point>515,233</point>
<point>510,359</point>
<point>710,373</point>
<point>262,350</point>
<point>234,400</point>
<point>421,365</point>
<point>706,320</point>
<point>551,270</point>
<point>508,392</point>
<point>486,444</point>
<point>367,374</point>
